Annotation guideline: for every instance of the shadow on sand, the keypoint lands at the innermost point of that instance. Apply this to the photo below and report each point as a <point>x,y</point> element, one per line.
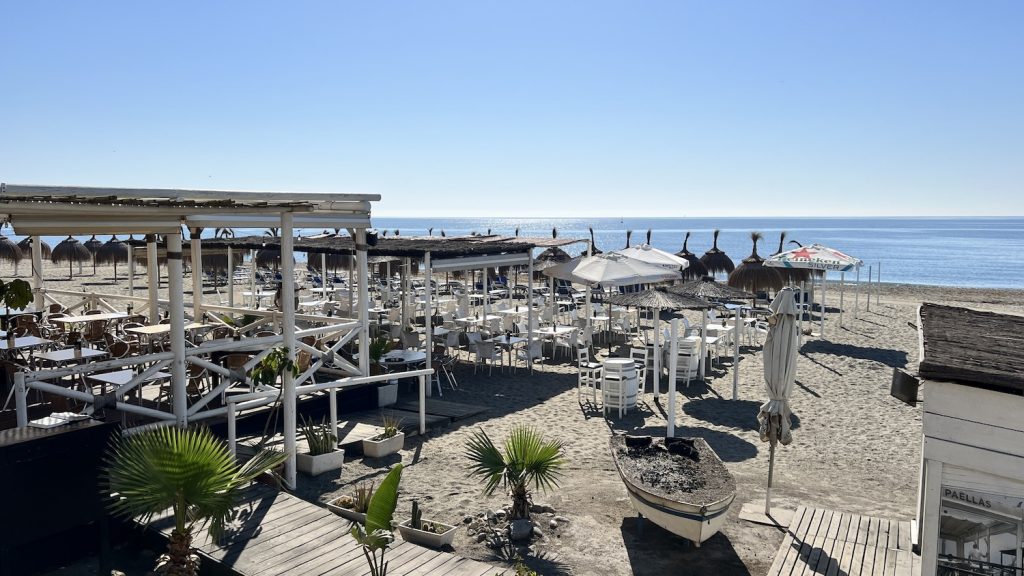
<point>654,550</point>
<point>888,356</point>
<point>739,414</point>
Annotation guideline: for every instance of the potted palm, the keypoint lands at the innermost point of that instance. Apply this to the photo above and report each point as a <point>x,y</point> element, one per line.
<point>324,454</point>
<point>525,458</point>
<point>187,470</point>
<point>353,506</point>
<point>389,441</point>
<point>426,532</point>
<point>375,534</point>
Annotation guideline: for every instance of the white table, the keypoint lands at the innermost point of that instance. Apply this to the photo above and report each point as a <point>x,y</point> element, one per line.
<point>403,358</point>
<point>89,318</point>
<point>70,354</point>
<point>508,343</point>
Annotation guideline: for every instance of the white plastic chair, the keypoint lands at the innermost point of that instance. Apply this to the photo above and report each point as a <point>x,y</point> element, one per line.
<point>590,374</point>
<point>486,353</point>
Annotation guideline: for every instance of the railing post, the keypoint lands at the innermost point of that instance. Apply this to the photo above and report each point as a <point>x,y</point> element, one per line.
<point>364,302</point>
<point>423,406</point>
<point>672,363</point>
<point>37,273</point>
<point>231,278</point>
<point>428,344</point>
<point>21,399</point>
<point>197,273</point>
<point>153,274</point>
<point>333,400</point>
<point>176,314</point>
<point>231,428</point>
<point>288,332</point>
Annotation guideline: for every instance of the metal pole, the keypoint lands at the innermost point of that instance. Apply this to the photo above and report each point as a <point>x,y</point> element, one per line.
<point>39,299</point>
<point>364,310</point>
<point>842,290</point>
<point>856,297</point>
<point>427,323</point>
<point>878,281</point>
<point>21,399</point>
<point>176,313</point>
<point>231,278</point>
<point>672,367</point>
<point>656,380</point>
<point>231,428</point>
<point>529,313</point>
<point>868,299</point>
<point>197,274</point>
<point>771,470</point>
<point>423,405</point>
<point>153,274</point>
<point>131,270</point>
<point>824,275</point>
<point>737,324</point>
<point>255,303</point>
<point>288,402</point>
<point>332,394</point>
<point>703,342</point>
<point>803,296</point>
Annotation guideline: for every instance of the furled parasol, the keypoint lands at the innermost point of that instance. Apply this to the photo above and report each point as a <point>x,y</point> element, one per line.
<point>780,354</point>
<point>696,269</point>
<point>717,261</point>
<point>753,275</point>
<point>70,250</point>
<point>112,251</point>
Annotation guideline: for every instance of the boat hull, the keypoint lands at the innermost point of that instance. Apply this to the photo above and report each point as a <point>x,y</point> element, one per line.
<point>693,522</point>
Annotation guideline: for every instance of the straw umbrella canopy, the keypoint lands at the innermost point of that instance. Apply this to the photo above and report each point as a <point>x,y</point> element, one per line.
<point>26,247</point>
<point>9,250</point>
<point>707,288</point>
<point>593,247</point>
<point>70,250</point>
<point>753,275</point>
<point>659,297</point>
<point>112,251</point>
<point>93,244</point>
<point>551,256</point>
<point>717,261</point>
<point>780,354</point>
<point>696,269</point>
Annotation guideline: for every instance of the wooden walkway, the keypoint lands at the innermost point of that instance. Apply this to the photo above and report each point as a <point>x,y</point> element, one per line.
<point>279,534</point>
<point>838,544</point>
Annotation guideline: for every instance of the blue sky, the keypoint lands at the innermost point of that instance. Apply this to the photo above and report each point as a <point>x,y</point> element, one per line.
<point>529,108</point>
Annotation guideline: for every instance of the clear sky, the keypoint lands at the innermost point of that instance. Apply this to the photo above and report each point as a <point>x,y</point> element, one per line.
<point>521,108</point>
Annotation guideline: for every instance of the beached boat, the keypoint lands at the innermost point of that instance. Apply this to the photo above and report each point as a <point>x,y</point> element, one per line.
<point>682,486</point>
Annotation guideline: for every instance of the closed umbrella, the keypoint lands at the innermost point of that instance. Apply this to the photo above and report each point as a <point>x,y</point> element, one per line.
<point>715,260</point>
<point>752,275</point>
<point>112,251</point>
<point>780,353</point>
<point>70,250</point>
<point>696,269</point>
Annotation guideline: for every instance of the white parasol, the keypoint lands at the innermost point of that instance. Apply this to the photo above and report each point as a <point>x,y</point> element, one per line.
<point>780,354</point>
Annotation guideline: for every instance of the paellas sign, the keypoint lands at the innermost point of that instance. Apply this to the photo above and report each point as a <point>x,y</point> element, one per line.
<point>1004,505</point>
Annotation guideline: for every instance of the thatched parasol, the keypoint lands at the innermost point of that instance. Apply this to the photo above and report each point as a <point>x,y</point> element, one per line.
<point>26,247</point>
<point>70,250</point>
<point>715,260</point>
<point>550,257</point>
<point>658,298</point>
<point>629,234</point>
<point>707,288</point>
<point>112,251</point>
<point>753,275</point>
<point>791,275</point>
<point>9,250</point>
<point>696,269</point>
<point>93,244</point>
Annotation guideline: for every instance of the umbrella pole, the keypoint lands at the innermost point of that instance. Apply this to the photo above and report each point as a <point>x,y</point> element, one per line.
<point>800,332</point>
<point>672,363</point>
<point>771,471</point>
<point>842,289</point>
<point>824,277</point>
<point>856,297</point>
<point>737,325</point>
<point>703,343</point>
<point>657,354</point>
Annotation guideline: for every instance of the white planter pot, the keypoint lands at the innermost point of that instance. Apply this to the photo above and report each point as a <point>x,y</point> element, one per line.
<point>387,394</point>
<point>316,465</point>
<point>347,513</point>
<point>410,534</point>
<point>379,448</point>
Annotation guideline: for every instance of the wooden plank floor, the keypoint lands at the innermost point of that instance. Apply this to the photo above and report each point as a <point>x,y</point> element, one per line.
<point>277,533</point>
<point>839,544</point>
<point>454,410</point>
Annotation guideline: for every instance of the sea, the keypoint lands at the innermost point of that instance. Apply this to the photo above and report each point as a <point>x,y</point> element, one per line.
<point>979,252</point>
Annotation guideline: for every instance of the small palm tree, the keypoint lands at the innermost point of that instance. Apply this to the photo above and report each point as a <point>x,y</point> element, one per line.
<point>526,458</point>
<point>375,534</point>
<point>187,470</point>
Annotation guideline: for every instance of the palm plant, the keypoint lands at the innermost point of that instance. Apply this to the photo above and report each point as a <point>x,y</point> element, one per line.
<point>526,458</point>
<point>376,534</point>
<point>188,470</point>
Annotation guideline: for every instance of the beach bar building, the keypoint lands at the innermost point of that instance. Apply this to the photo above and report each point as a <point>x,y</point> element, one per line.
<point>971,494</point>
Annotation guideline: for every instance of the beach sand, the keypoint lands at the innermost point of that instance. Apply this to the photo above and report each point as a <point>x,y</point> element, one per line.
<point>855,448</point>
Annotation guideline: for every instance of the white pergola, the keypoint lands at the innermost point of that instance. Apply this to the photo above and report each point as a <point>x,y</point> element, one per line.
<point>35,210</point>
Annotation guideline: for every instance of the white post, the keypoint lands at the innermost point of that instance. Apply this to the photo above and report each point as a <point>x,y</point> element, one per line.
<point>231,278</point>
<point>878,281</point>
<point>405,292</point>
<point>288,401</point>
<point>673,361</point>
<point>364,303</point>
<point>856,297</point>
<point>867,305</point>
<point>588,310</point>
<point>363,279</point>
<point>176,313</point>
<point>703,342</point>
<point>21,399</point>
<point>423,405</point>
<point>427,320</point>
<point>800,332</point>
<point>842,290</point>
<point>197,274</point>
<point>332,394</point>
<point>529,312</point>
<point>551,301</point>
<point>255,303</point>
<point>232,441</point>
<point>39,301</point>
<point>487,295</point>
<point>824,277</point>
<point>323,274</point>
<point>153,274</point>
<point>131,270</point>
<point>657,356</point>
<point>737,326</point>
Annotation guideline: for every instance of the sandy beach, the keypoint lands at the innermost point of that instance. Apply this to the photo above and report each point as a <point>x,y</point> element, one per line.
<point>855,447</point>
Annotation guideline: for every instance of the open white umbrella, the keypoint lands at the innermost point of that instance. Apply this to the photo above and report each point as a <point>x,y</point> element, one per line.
<point>610,269</point>
<point>652,255</point>
<point>780,353</point>
<point>818,258</point>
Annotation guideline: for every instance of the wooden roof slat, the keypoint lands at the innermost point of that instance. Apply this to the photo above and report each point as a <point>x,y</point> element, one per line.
<point>972,347</point>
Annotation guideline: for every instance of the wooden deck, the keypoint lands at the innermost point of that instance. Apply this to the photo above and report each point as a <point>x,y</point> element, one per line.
<point>281,534</point>
<point>838,543</point>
